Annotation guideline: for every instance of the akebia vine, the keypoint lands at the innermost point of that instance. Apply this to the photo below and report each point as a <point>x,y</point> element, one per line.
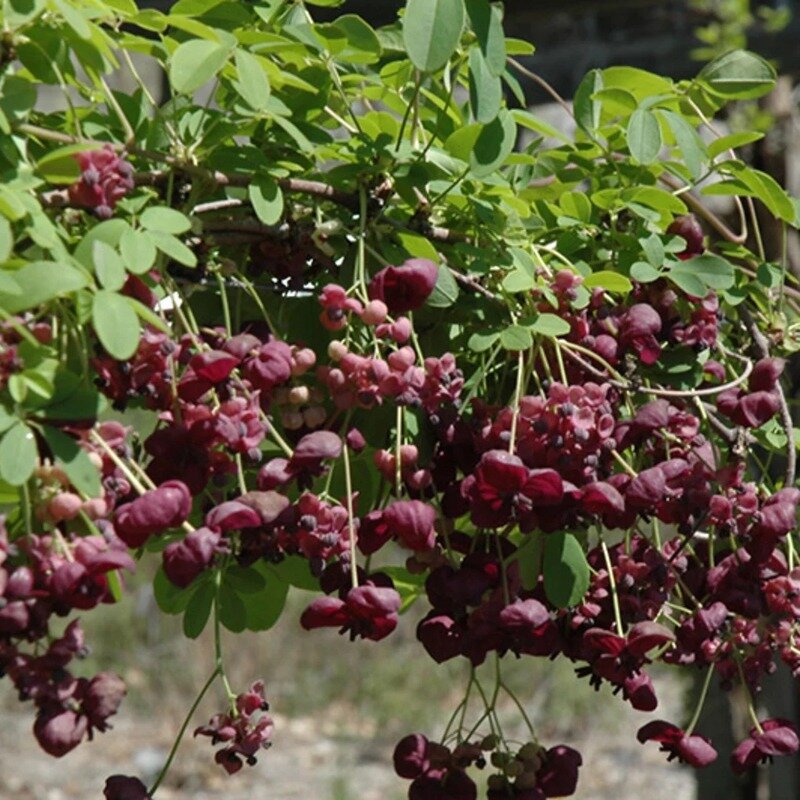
<point>390,359</point>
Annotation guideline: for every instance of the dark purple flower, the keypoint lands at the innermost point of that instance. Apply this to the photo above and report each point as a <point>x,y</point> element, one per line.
<point>688,228</point>
<point>412,521</point>
<point>185,560</point>
<point>638,328</point>
<point>154,512</point>
<point>366,611</point>
<point>60,731</point>
<point>558,775</point>
<point>123,787</point>
<point>405,288</point>
<point>777,737</point>
<point>694,750</point>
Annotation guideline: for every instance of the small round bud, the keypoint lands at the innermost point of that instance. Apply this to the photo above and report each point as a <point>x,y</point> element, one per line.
<point>374,312</point>
<point>299,395</point>
<point>292,420</point>
<point>314,416</point>
<point>65,505</point>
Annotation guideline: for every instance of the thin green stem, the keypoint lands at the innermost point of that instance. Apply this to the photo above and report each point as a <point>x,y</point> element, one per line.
<point>701,702</point>
<point>613,586</point>
<point>351,529</point>
<point>218,643</point>
<point>517,396</point>
<point>181,732</point>
<point>226,309</point>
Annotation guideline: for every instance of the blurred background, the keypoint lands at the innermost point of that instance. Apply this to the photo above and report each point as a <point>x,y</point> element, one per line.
<point>339,706</point>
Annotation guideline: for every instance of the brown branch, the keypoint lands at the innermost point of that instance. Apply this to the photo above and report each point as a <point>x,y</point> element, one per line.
<point>696,204</point>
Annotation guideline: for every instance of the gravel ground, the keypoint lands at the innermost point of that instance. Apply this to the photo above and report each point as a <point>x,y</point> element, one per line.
<point>337,760</point>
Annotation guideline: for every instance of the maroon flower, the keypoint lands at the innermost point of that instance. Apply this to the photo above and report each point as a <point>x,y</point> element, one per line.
<point>414,753</point>
<point>367,611</point>
<point>558,775</point>
<point>102,697</point>
<point>244,733</point>
<point>213,366</point>
<point>688,228</point>
<point>313,449</point>
<point>185,560</point>
<point>694,750</point>
<point>232,516</point>
<point>105,179</point>
<point>638,328</point>
<point>405,288</point>
<point>412,521</point>
<point>502,485</point>
<point>123,787</point>
<point>154,512</point>
<point>60,731</point>
<point>777,737</point>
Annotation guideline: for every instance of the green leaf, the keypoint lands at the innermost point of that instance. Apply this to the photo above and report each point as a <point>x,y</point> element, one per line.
<point>485,89</point>
<point>445,293</point>
<point>170,598</point>
<point>481,342</point>
<point>244,580</point>
<point>576,205</point>
<point>196,62</point>
<point>115,324</point>
<point>692,147</point>
<point>566,571</point>
<point>644,273</point>
<point>61,165</point>
<point>165,219</point>
<point>253,83</point>
<point>138,251</point>
<point>363,45</point>
<point>263,609</point>
<point>295,571</point>
<point>487,23</point>
<point>39,282</point>
<point>550,325</point>
<point>494,144</point>
<point>18,454</point>
<point>697,275</point>
<point>516,338</point>
<point>587,109</point>
<point>6,248</point>
<point>519,280</point>
<point>431,31</point>
<point>198,609</point>
<point>644,136</point>
<point>108,266</point>
<point>608,280</point>
<point>72,400</point>
<point>266,198</point>
<point>731,141</point>
<point>174,248</point>
<point>149,316</point>
<point>740,74</point>
<point>232,609</point>
<point>761,185</point>
<point>73,18</point>
<point>74,460</point>
<point>529,558</point>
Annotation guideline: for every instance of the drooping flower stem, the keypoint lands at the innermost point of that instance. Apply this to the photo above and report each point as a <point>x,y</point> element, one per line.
<point>182,731</point>
<point>701,701</point>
